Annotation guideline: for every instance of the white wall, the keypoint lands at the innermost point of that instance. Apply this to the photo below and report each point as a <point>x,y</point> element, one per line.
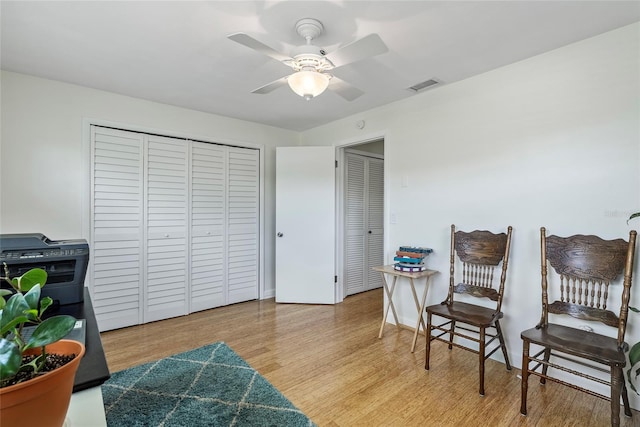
<point>44,160</point>
<point>551,141</point>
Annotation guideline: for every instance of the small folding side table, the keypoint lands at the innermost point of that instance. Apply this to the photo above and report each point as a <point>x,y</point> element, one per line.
<point>390,271</point>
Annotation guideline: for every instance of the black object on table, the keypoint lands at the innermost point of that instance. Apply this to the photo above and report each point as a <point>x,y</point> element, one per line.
<point>93,369</point>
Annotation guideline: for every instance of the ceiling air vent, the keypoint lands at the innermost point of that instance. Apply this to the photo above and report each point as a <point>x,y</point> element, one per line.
<point>419,87</point>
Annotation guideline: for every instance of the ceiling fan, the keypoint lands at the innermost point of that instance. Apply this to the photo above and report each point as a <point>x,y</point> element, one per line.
<point>312,66</point>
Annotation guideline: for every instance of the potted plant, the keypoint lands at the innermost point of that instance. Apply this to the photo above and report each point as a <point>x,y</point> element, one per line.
<point>36,371</point>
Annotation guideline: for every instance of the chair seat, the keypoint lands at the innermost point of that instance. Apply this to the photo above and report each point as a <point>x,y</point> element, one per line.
<point>589,345</point>
<point>464,312</point>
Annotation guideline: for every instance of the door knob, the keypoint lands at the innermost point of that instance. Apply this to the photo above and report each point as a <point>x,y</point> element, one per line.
<point>279,234</point>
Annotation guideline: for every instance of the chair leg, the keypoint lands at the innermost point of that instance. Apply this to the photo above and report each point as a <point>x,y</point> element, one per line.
<point>482,358</point>
<point>428,347</point>
<point>616,376</point>
<point>451,331</point>
<point>525,377</point>
<point>545,367</point>
<point>625,397</point>
<point>503,345</point>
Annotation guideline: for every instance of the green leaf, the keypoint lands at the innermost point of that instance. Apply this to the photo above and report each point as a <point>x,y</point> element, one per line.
<point>44,304</point>
<point>634,309</point>
<point>632,377</point>
<point>10,359</point>
<point>12,324</point>
<point>4,293</point>
<point>634,354</point>
<point>51,330</point>
<point>635,215</point>
<point>16,306</point>
<point>33,277</point>
<point>32,297</point>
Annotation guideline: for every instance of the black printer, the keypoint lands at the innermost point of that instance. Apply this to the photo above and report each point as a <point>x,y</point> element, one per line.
<point>65,262</point>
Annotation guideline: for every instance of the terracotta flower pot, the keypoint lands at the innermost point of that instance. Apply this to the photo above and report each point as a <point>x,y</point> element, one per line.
<point>42,401</point>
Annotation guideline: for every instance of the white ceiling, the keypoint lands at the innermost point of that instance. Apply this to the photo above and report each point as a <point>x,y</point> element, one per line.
<point>177,52</point>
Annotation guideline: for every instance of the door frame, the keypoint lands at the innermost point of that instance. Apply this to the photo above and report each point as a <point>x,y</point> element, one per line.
<point>341,148</point>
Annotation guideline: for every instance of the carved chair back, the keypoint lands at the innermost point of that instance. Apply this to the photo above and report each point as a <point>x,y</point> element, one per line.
<point>479,253</point>
<point>585,271</point>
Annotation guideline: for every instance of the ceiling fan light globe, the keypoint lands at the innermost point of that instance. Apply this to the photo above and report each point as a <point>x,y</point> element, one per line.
<point>308,84</point>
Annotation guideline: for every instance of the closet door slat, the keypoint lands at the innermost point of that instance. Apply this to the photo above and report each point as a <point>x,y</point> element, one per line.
<point>355,238</point>
<point>208,219</point>
<point>166,229</point>
<point>118,229</point>
<point>375,222</point>
<point>243,223</point>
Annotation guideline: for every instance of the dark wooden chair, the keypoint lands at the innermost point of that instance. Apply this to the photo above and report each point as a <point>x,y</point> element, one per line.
<point>584,270</point>
<point>479,253</point>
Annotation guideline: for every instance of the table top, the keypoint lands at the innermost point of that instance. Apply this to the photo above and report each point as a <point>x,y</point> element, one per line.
<point>388,269</point>
<point>93,369</point>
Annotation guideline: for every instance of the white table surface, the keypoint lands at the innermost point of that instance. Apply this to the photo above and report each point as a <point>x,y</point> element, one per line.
<point>86,409</point>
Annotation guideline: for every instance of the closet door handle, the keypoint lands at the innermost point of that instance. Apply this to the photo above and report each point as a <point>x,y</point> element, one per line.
<point>279,234</point>
<point>370,232</point>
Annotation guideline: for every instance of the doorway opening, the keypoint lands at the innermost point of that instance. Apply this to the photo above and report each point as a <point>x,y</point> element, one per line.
<point>361,207</point>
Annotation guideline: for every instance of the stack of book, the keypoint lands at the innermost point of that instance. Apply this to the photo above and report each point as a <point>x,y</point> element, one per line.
<point>410,259</point>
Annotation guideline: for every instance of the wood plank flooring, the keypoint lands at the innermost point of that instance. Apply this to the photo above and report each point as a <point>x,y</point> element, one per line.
<point>329,362</point>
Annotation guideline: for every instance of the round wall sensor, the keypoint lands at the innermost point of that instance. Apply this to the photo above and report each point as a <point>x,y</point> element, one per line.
<point>360,124</point>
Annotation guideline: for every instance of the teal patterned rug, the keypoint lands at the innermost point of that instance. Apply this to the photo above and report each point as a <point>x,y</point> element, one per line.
<point>208,386</point>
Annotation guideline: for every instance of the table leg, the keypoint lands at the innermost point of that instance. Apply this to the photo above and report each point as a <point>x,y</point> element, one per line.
<point>389,293</point>
<point>420,307</point>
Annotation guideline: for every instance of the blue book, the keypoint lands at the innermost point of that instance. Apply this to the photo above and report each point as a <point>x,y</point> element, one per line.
<point>425,251</point>
<point>407,260</point>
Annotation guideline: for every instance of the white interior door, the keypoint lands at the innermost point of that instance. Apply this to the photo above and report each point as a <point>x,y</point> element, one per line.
<point>208,219</point>
<point>355,226</point>
<point>117,227</point>
<point>375,222</point>
<point>243,224</point>
<point>305,225</point>
<point>167,229</point>
<point>363,221</point>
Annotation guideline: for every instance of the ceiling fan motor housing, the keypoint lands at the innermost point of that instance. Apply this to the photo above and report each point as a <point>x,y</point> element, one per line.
<point>310,56</point>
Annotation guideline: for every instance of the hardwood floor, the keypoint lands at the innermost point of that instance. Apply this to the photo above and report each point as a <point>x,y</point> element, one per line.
<point>329,362</point>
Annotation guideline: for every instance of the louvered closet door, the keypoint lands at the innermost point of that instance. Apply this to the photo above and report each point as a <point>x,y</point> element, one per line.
<point>167,228</point>
<point>354,275</point>
<point>375,221</point>
<point>117,227</point>
<point>243,213</point>
<point>364,219</point>
<point>208,219</point>
<point>175,226</point>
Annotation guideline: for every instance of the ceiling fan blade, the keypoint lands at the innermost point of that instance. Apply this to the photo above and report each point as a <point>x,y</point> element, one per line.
<point>248,41</point>
<point>358,50</point>
<point>344,89</point>
<point>270,87</point>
